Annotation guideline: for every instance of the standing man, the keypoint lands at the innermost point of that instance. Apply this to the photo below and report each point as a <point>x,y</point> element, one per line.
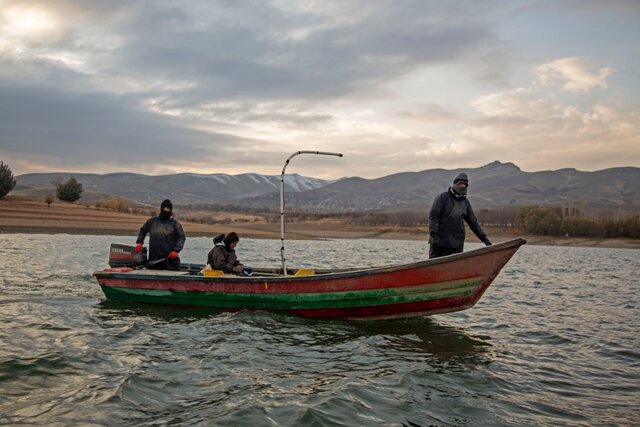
<point>166,239</point>
<point>446,226</point>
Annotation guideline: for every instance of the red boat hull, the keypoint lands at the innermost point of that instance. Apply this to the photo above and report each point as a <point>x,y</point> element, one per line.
<point>429,287</point>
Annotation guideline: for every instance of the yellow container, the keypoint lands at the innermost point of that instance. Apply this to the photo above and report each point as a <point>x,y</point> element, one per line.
<point>305,272</point>
<point>213,272</point>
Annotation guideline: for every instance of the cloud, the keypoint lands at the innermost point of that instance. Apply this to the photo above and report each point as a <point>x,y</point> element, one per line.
<point>220,86</point>
<point>258,49</point>
<point>625,9</point>
<point>73,129</point>
<point>429,113</point>
<point>238,82</point>
<point>575,74</point>
<point>537,130</point>
<point>520,102</point>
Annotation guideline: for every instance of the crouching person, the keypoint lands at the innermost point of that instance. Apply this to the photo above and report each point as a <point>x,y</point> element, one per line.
<point>223,255</point>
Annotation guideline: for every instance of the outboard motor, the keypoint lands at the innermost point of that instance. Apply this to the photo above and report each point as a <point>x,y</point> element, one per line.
<point>121,255</point>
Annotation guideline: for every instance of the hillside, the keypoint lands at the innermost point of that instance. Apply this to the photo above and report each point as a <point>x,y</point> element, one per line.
<point>19,215</point>
<point>181,188</point>
<point>494,185</point>
<point>491,186</point>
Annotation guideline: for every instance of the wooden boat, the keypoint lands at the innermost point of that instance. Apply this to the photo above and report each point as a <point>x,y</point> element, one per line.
<point>423,288</point>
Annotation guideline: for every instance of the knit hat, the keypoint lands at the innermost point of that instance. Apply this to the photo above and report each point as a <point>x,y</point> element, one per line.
<point>461,177</point>
<point>166,203</point>
<point>231,237</point>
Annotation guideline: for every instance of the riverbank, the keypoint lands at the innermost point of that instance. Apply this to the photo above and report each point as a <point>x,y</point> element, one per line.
<point>19,215</point>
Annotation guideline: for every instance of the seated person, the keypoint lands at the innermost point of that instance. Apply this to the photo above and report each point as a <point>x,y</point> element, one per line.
<point>223,255</point>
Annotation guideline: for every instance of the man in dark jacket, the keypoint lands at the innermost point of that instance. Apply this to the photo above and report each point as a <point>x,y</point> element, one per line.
<point>446,226</point>
<point>223,255</point>
<point>166,239</point>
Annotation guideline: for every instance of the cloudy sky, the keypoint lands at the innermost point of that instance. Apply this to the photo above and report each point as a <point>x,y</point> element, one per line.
<point>235,86</point>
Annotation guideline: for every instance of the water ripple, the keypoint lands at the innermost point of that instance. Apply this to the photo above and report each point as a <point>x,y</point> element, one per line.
<point>554,341</point>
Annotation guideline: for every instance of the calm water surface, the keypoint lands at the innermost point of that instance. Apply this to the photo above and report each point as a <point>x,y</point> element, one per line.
<point>554,341</point>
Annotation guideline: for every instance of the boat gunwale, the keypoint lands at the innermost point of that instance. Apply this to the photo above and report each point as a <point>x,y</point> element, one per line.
<point>335,274</point>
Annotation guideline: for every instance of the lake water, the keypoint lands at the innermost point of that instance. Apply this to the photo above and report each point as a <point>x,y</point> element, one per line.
<point>555,340</point>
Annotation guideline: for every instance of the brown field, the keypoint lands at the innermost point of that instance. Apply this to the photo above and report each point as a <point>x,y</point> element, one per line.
<point>19,215</point>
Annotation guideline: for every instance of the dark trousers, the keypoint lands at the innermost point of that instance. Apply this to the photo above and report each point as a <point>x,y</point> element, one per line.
<point>436,251</point>
<point>169,264</point>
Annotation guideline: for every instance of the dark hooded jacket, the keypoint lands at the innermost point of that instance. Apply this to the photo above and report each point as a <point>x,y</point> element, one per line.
<point>165,235</point>
<point>222,258</point>
<point>446,217</point>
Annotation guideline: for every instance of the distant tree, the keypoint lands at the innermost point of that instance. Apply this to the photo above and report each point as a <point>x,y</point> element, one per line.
<point>631,226</point>
<point>523,213</point>
<point>57,183</point>
<point>574,226</point>
<point>607,228</point>
<point>49,199</point>
<point>123,205</point>
<point>70,190</point>
<point>539,220</point>
<point>550,223</point>
<point>112,203</point>
<point>7,181</point>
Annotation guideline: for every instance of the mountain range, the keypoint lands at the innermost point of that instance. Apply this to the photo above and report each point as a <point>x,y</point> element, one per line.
<point>494,185</point>
<point>180,188</point>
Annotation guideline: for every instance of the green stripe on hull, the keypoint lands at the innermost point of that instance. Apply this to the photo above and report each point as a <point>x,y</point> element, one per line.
<point>326,300</point>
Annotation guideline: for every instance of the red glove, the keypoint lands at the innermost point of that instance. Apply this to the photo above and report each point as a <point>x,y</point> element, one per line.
<point>173,255</point>
<point>138,248</point>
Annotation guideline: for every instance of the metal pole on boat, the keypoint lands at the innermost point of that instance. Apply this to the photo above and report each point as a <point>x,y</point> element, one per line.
<point>322,153</point>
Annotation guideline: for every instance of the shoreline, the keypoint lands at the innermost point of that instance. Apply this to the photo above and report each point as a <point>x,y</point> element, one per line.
<point>310,234</point>
<point>19,216</point>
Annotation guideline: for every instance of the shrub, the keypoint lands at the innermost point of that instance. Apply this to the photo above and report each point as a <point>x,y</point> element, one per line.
<point>539,220</point>
<point>7,181</point>
<point>70,190</point>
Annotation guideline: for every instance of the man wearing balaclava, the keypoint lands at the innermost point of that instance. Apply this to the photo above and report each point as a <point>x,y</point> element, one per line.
<point>446,226</point>
<point>166,239</point>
